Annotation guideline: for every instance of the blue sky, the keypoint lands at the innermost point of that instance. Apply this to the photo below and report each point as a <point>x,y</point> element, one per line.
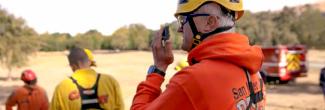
<point>78,16</point>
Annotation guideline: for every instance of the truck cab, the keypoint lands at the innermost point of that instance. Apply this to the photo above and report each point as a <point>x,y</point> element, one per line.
<point>284,63</point>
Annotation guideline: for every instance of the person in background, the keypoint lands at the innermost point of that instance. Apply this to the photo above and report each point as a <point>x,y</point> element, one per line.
<point>223,67</point>
<point>29,96</point>
<point>181,64</point>
<point>86,89</point>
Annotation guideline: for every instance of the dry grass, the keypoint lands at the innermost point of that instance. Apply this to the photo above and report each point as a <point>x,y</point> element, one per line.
<point>129,68</point>
<point>316,56</point>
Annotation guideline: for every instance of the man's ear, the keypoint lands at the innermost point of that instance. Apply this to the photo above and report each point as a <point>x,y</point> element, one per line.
<point>211,24</point>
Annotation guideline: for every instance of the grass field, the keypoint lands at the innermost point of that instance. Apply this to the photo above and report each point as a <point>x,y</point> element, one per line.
<point>129,68</point>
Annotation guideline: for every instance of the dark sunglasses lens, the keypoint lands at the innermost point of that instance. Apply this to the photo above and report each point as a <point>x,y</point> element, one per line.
<point>181,20</point>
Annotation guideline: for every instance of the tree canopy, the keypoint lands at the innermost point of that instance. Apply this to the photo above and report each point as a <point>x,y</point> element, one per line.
<point>17,41</point>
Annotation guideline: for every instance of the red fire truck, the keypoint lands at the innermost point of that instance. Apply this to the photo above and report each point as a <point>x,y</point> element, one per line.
<point>284,63</point>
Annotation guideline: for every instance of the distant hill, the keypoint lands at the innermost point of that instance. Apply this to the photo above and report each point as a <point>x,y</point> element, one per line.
<point>319,6</point>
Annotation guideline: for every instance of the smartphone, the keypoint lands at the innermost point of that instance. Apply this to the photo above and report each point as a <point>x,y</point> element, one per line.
<point>165,35</point>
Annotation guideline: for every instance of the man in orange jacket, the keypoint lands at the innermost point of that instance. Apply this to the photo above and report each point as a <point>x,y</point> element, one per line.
<point>30,96</point>
<point>223,71</point>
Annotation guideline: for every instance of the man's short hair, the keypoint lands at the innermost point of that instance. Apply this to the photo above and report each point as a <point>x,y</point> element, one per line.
<point>32,82</point>
<point>77,55</point>
<point>226,16</point>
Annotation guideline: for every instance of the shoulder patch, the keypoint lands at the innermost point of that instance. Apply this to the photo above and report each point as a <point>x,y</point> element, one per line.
<point>74,95</point>
<point>103,99</point>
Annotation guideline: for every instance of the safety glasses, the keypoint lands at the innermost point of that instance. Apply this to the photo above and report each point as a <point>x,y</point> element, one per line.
<point>183,19</point>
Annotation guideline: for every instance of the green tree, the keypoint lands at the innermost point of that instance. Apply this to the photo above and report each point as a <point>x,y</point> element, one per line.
<point>17,42</point>
<point>91,40</point>
<point>309,27</point>
<point>107,43</point>
<point>138,37</point>
<point>120,39</point>
<point>248,25</point>
<point>283,23</point>
<point>55,41</point>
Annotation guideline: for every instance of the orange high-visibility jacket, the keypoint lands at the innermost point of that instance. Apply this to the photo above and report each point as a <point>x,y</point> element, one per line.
<point>215,79</point>
<point>28,99</point>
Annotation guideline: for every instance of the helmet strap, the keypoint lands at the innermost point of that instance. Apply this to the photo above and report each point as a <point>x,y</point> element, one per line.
<point>198,37</point>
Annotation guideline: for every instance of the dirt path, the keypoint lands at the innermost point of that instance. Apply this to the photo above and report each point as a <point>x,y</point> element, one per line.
<point>304,94</point>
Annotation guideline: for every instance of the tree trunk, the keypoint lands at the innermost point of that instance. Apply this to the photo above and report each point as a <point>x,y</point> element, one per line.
<point>9,77</point>
<point>9,66</point>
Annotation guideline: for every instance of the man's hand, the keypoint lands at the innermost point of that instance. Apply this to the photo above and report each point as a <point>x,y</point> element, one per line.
<point>163,56</point>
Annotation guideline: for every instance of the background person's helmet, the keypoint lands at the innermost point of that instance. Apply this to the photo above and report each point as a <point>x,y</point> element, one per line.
<point>187,6</point>
<point>181,64</point>
<point>90,57</point>
<point>28,75</point>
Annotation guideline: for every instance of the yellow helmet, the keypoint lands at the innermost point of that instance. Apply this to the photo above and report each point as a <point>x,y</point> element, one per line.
<point>181,64</point>
<point>186,6</point>
<point>90,57</point>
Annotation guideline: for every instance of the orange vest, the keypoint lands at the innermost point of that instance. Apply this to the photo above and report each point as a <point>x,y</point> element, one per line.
<point>26,98</point>
<point>215,80</point>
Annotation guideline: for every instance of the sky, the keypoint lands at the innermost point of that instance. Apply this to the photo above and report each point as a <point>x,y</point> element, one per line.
<point>106,16</point>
